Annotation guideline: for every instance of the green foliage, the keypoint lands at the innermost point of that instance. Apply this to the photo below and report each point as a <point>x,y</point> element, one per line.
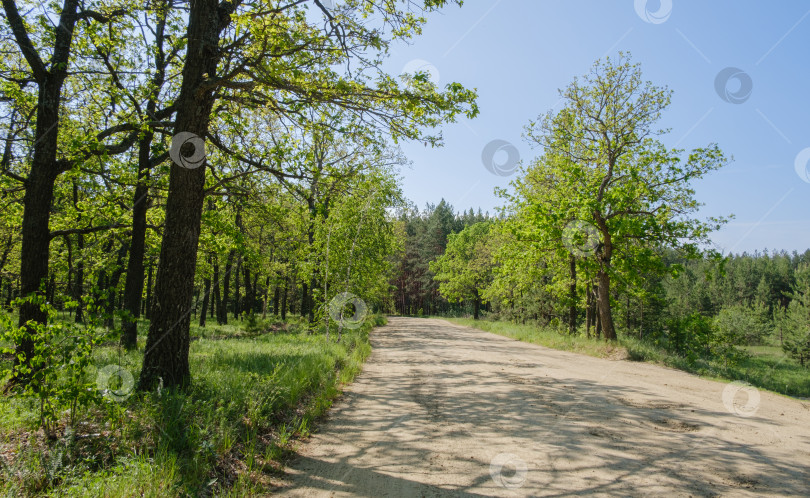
<point>795,321</point>
<point>253,399</point>
<point>57,372</point>
<point>465,268</point>
<point>423,235</point>
<point>695,336</point>
<point>744,324</point>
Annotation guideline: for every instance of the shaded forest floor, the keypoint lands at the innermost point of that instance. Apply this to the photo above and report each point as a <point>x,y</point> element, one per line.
<point>766,367</point>
<point>253,394</point>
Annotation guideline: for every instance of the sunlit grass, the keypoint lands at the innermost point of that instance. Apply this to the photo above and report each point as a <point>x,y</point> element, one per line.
<point>252,396</point>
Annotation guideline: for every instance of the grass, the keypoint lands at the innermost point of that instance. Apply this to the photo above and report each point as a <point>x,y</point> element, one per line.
<point>766,367</point>
<point>254,394</point>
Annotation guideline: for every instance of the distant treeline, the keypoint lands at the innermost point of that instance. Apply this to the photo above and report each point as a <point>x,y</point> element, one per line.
<point>736,299</point>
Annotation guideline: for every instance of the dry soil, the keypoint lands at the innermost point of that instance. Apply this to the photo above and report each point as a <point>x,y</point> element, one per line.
<point>445,410</point>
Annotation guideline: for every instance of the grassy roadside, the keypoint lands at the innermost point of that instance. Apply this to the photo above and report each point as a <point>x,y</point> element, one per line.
<point>252,396</point>
<point>767,367</point>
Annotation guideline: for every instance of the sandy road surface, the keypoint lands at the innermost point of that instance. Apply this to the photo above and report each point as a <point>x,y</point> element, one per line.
<point>444,410</point>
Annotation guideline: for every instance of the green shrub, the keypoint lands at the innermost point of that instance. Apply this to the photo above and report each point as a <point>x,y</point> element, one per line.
<point>56,374</point>
<point>749,324</point>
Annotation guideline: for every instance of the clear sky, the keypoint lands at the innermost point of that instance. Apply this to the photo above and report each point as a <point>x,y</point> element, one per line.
<point>517,53</point>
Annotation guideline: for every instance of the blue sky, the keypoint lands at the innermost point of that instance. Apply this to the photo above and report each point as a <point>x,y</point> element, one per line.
<point>517,53</point>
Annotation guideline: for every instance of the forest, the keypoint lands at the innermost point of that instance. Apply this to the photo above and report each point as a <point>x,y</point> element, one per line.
<point>203,219</point>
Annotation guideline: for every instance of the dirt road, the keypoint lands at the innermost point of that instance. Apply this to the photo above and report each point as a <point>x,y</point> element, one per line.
<point>444,410</point>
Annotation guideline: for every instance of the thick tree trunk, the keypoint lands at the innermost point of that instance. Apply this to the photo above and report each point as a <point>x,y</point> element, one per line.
<point>44,169</point>
<point>605,254</point>
<point>167,345</point>
<point>476,304</point>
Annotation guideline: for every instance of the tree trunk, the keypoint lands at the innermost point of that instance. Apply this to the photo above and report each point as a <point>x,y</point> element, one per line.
<point>44,168</point>
<point>206,294</point>
<point>588,310</point>
<point>167,345</point>
<point>627,316</point>
<point>276,295</point>
<point>226,289</point>
<point>112,285</point>
<point>304,302</point>
<point>237,301</point>
<point>149,287</point>
<point>264,301</point>
<point>133,286</point>
<point>284,301</point>
<point>641,324</point>
<point>311,299</point>
<point>603,305</point>
<point>572,296</point>
<point>217,296</point>
<point>476,304</point>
